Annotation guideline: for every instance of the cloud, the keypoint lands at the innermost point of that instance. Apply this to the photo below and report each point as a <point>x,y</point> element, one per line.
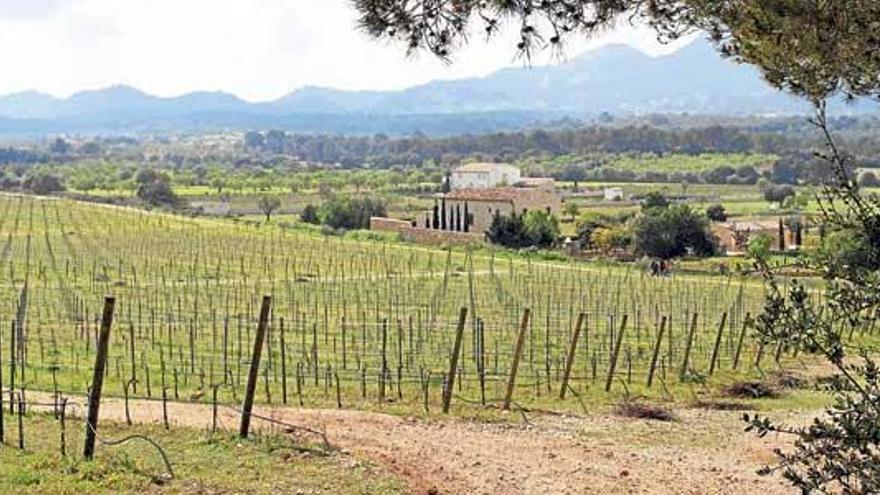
<point>257,49</point>
<point>32,8</point>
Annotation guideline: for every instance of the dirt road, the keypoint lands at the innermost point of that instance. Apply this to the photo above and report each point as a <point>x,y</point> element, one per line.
<point>704,452</point>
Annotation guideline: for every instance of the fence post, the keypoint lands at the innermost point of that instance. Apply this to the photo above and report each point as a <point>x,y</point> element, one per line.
<point>21,420</point>
<point>283,364</point>
<point>656,354</point>
<point>613,364</point>
<point>517,353</point>
<point>98,378</point>
<point>12,360</point>
<point>63,418</point>
<point>687,348</point>
<point>253,373</point>
<point>453,362</point>
<point>717,344</point>
<point>571,354</point>
<point>742,336</point>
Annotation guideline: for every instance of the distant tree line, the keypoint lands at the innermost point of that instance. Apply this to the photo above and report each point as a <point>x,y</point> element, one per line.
<point>381,150</point>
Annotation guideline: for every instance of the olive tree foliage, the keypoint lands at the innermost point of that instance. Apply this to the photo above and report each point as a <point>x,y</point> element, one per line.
<point>818,50</point>
<point>268,205</point>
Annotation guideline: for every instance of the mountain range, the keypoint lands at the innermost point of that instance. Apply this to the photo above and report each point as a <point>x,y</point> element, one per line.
<point>616,79</point>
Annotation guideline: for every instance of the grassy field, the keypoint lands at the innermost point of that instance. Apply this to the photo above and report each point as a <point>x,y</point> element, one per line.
<point>266,464</point>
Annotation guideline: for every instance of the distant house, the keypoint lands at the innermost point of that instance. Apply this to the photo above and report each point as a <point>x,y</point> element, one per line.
<point>733,237</point>
<point>545,183</point>
<point>472,210</point>
<point>484,176</point>
<point>613,194</point>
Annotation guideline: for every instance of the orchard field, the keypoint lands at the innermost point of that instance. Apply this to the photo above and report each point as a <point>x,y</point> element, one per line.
<point>360,324</point>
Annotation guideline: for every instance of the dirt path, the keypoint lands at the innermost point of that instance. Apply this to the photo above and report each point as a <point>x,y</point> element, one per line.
<point>705,452</point>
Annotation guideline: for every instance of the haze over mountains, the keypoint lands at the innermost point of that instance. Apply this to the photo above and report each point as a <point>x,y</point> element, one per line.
<point>616,79</point>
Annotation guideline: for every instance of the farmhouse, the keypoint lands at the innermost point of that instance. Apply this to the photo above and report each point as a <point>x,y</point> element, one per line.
<point>733,237</point>
<point>484,176</point>
<point>472,210</point>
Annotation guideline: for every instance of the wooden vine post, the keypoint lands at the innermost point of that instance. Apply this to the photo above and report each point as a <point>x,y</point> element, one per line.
<point>687,349</point>
<point>453,362</point>
<point>717,344</point>
<point>742,336</point>
<point>656,353</point>
<point>517,353</point>
<point>2,425</point>
<point>571,354</point>
<point>98,378</point>
<point>253,373</point>
<point>616,352</point>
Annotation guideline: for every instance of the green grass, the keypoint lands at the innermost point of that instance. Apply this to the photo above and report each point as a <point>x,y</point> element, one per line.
<point>689,163</point>
<point>202,463</point>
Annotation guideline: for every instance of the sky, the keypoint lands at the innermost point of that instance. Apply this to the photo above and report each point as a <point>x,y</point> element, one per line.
<point>256,49</point>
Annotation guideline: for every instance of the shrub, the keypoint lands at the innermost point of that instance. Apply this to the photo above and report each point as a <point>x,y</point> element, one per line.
<point>534,229</point>
<point>310,215</point>
<point>653,200</point>
<point>750,390</point>
<point>777,194</point>
<point>716,213</point>
<point>351,213</point>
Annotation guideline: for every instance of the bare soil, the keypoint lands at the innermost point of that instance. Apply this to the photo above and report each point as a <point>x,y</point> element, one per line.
<point>703,452</point>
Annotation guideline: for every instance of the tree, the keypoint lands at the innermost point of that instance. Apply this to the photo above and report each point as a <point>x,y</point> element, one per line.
<point>671,232</point>
<point>310,215</point>
<point>268,205</point>
<point>541,228</point>
<point>608,239</point>
<point>351,213</point>
<point>777,194</point>
<point>59,146</point>
<point>716,213</point>
<point>508,231</point>
<point>653,200</point>
<point>154,188</point>
<point>254,139</point>
<point>41,182</point>
<point>572,210</point>
<point>869,179</point>
<point>218,184</point>
<point>533,229</point>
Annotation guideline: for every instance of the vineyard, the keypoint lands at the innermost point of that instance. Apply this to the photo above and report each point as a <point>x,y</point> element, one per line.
<point>352,323</point>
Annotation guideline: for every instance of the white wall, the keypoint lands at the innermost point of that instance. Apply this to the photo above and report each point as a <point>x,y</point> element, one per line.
<point>504,175</point>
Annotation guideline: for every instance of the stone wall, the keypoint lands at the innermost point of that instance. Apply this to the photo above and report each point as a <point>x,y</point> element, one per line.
<point>382,224</point>
<point>423,236</point>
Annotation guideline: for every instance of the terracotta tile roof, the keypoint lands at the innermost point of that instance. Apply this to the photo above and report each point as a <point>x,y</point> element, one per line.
<point>493,194</point>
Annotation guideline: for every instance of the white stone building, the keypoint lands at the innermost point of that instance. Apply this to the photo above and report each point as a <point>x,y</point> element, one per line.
<point>613,194</point>
<point>484,176</point>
